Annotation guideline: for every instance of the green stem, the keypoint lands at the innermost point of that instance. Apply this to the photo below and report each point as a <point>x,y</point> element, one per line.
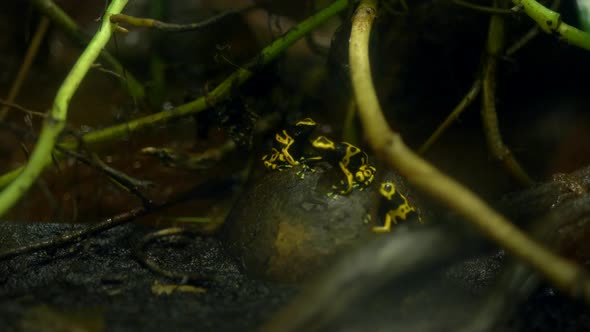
<point>222,91</point>
<point>494,48</point>
<point>550,22</point>
<point>457,111</point>
<point>564,274</point>
<point>55,121</point>
<point>23,71</point>
<point>268,54</point>
<point>67,24</point>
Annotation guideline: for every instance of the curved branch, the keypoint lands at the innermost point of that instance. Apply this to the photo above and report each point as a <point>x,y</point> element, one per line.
<point>70,28</point>
<point>222,91</point>
<point>55,121</point>
<point>389,146</point>
<point>494,48</point>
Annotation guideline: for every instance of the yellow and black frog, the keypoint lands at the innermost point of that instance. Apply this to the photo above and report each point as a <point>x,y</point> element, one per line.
<point>288,145</point>
<point>394,205</point>
<point>353,162</point>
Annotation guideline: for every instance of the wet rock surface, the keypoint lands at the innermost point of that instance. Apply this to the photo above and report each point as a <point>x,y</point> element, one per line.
<point>99,284</point>
<point>286,226</point>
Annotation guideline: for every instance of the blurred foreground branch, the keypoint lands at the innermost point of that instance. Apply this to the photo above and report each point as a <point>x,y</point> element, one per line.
<point>389,146</point>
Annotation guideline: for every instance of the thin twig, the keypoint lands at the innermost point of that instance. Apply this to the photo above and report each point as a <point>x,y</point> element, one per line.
<point>390,9</point>
<point>389,145</point>
<point>494,48</point>
<point>207,190</point>
<point>523,40</point>
<point>23,71</point>
<point>484,9</point>
<point>202,160</point>
<point>529,35</point>
<point>172,27</point>
<point>130,184</point>
<point>21,108</point>
<point>153,266</point>
<point>78,235</point>
<point>457,111</point>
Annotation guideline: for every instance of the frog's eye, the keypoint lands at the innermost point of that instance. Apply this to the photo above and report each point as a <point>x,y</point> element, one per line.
<point>387,189</point>
<point>353,149</point>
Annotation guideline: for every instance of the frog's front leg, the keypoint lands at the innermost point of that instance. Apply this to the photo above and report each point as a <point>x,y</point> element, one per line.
<point>288,157</point>
<point>270,159</point>
<point>349,179</point>
<point>386,226</point>
<point>286,141</point>
<point>274,160</point>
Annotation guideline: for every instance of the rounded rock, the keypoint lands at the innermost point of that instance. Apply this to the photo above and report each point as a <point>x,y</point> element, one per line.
<point>286,226</point>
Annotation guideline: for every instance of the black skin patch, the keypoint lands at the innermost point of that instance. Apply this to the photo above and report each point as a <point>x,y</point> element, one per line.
<point>353,162</point>
<point>394,206</point>
<point>288,145</point>
<point>288,149</point>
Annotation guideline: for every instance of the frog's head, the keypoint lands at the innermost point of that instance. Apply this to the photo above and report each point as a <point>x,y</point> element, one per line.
<point>307,122</point>
<point>387,190</point>
<point>303,128</point>
<point>323,143</point>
